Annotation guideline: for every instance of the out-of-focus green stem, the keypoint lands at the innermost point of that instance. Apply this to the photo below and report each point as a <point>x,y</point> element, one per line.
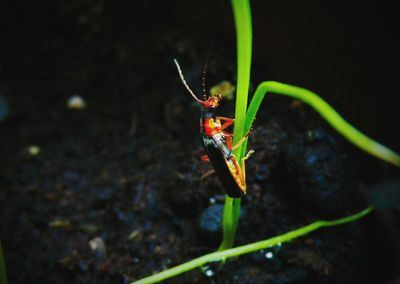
<point>233,252</point>
<point>230,221</point>
<point>227,224</point>
<point>3,272</point>
<point>327,112</point>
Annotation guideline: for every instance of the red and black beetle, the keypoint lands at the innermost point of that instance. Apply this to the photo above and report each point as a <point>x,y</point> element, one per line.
<point>217,143</point>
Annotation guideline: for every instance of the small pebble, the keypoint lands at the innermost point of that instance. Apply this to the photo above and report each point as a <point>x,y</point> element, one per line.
<point>134,234</point>
<point>210,219</point>
<point>59,223</point>
<point>97,245</point>
<point>76,102</point>
<point>33,150</point>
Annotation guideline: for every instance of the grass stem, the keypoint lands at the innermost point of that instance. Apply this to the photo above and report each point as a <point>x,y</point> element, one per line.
<point>240,250</point>
<point>327,112</point>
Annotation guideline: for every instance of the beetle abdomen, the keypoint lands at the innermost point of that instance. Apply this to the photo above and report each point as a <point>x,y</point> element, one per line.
<point>219,160</point>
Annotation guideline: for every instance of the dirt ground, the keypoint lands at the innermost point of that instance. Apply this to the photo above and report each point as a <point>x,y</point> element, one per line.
<point>115,191</point>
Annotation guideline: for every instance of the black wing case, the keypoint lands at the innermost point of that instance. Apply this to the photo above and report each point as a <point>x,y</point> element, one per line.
<point>218,162</point>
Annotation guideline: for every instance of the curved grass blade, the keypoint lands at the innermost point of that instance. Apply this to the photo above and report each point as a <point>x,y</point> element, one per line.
<point>236,251</point>
<point>327,112</point>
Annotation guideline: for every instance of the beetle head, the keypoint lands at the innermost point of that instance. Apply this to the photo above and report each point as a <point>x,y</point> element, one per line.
<point>212,102</point>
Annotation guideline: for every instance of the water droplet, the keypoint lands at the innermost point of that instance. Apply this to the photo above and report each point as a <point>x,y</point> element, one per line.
<point>209,273</point>
<point>269,255</point>
<point>213,267</point>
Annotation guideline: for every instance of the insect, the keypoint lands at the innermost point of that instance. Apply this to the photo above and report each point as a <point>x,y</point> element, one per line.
<point>217,143</point>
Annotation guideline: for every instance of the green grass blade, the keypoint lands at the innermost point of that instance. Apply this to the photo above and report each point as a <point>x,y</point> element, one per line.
<point>244,39</point>
<point>234,252</point>
<point>228,225</point>
<point>327,112</point>
<point>244,36</point>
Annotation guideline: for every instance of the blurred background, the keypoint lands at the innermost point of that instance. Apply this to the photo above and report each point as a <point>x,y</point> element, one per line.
<point>346,50</point>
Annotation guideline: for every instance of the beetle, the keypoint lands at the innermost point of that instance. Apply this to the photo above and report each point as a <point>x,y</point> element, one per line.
<point>217,143</point>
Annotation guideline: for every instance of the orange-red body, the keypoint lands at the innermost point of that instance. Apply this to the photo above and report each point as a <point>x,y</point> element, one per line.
<point>217,143</point>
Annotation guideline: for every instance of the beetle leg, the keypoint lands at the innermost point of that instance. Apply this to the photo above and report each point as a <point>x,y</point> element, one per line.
<point>223,118</point>
<point>240,142</point>
<point>206,174</point>
<point>238,170</point>
<point>228,140</point>
<point>205,158</point>
<point>243,170</point>
<point>226,125</point>
<point>227,134</point>
<point>251,152</point>
<point>228,122</point>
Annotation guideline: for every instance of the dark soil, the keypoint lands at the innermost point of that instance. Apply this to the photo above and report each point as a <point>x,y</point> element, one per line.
<point>116,192</point>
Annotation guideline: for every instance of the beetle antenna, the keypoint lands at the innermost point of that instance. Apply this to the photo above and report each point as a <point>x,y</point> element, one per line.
<point>186,85</point>
<point>204,79</point>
